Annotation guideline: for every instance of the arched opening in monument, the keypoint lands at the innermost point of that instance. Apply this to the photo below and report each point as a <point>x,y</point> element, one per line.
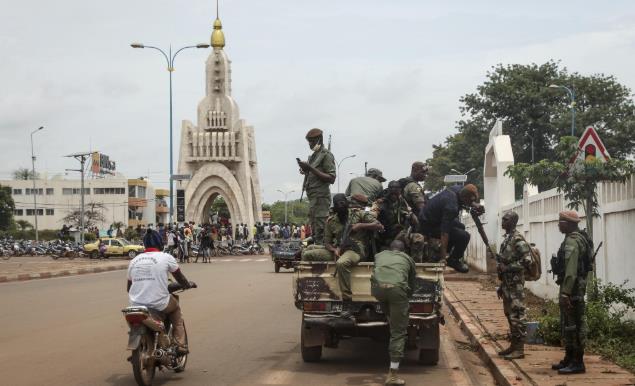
<point>216,210</point>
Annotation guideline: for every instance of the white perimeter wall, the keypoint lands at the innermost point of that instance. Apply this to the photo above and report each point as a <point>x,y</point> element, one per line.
<point>539,223</point>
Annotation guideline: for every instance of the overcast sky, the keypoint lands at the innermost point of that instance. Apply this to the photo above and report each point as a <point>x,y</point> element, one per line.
<point>383,77</point>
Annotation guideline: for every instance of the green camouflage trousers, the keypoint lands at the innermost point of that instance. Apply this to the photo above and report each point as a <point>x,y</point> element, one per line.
<point>414,245</point>
<point>573,321</point>
<point>317,253</point>
<point>514,306</point>
<point>394,304</point>
<point>318,212</point>
<point>347,260</point>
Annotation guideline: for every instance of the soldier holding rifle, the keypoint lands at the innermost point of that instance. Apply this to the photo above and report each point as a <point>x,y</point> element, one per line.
<point>319,173</point>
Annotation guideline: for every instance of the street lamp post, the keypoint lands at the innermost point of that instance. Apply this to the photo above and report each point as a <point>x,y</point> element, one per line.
<point>82,158</point>
<point>572,96</point>
<point>338,170</point>
<point>285,203</point>
<point>34,192</point>
<point>169,58</point>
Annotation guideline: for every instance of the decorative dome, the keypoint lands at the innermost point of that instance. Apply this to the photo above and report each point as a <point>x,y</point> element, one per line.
<point>218,37</point>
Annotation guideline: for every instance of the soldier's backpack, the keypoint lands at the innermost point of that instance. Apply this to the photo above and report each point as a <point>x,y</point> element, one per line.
<point>588,258</point>
<point>534,270</point>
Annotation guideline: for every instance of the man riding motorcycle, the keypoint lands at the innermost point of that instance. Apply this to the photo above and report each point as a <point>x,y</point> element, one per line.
<point>148,284</point>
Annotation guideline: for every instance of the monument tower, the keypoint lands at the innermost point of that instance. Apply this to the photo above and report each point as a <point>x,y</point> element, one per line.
<point>220,151</point>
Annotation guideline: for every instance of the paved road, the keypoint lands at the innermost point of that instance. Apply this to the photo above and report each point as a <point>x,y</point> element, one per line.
<point>243,327</point>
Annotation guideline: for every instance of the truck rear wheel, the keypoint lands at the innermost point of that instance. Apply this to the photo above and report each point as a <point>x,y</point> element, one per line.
<point>309,354</point>
<point>429,357</point>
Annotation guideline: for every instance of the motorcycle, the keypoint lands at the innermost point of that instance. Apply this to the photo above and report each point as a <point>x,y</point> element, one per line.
<point>151,340</point>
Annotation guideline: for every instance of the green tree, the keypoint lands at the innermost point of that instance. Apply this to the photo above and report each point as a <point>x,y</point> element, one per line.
<point>23,225</point>
<point>92,215</point>
<point>520,96</point>
<point>297,211</point>
<point>117,225</point>
<point>23,174</point>
<point>7,206</point>
<point>219,205</point>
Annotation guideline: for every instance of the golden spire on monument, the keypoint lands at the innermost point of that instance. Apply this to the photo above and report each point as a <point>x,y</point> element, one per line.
<point>218,37</point>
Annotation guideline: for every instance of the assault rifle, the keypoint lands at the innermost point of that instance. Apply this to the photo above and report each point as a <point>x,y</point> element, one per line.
<point>474,212</point>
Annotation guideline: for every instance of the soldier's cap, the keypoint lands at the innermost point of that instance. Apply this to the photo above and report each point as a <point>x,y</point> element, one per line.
<point>359,199</point>
<point>394,184</point>
<point>471,188</point>
<point>372,172</point>
<point>419,165</point>
<point>569,215</point>
<point>313,133</point>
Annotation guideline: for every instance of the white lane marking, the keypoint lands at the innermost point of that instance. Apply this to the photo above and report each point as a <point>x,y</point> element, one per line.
<point>245,260</point>
<point>261,259</point>
<point>225,260</point>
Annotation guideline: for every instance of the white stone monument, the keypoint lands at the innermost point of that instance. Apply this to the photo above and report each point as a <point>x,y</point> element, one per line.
<point>220,151</point>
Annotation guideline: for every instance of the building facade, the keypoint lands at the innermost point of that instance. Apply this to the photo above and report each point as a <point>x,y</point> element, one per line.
<point>113,199</point>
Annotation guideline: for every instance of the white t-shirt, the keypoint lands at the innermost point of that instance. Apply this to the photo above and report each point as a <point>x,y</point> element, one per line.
<point>149,275</point>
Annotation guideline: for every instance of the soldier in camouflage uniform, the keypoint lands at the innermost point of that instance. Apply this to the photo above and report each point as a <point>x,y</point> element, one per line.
<point>369,185</point>
<point>572,284</point>
<point>512,260</point>
<point>392,284</point>
<point>411,189</point>
<point>353,247</point>
<point>332,233</point>
<point>319,173</point>
<point>394,213</point>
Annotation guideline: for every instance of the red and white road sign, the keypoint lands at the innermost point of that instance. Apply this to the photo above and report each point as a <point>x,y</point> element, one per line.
<point>591,147</point>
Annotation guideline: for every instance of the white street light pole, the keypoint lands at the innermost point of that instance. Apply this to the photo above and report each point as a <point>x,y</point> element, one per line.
<point>285,203</point>
<point>338,170</point>
<point>34,192</point>
<point>572,96</point>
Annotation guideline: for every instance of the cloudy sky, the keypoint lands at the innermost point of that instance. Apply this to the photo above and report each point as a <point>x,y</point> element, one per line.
<point>383,77</point>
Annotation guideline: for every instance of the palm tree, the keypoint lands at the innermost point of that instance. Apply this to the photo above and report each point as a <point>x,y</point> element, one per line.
<point>23,224</point>
<point>23,174</point>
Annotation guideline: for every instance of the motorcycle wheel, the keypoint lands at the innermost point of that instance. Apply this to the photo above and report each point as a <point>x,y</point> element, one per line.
<point>5,256</point>
<point>182,360</point>
<point>54,257</point>
<point>143,366</point>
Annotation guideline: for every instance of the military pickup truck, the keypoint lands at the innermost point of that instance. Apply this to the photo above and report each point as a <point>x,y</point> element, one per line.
<point>285,254</point>
<point>317,295</point>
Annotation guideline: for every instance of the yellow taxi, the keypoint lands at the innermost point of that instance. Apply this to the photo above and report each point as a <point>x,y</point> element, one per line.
<point>114,247</point>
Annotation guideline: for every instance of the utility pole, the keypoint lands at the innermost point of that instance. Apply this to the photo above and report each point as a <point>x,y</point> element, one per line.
<point>34,192</point>
<point>285,203</point>
<point>81,157</point>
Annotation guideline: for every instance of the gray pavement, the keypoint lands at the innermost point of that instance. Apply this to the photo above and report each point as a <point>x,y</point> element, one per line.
<point>243,329</point>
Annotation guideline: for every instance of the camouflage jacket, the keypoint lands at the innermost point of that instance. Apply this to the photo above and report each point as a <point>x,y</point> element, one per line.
<point>324,161</point>
<point>393,216</point>
<point>514,253</point>
<point>574,246</point>
<point>333,230</point>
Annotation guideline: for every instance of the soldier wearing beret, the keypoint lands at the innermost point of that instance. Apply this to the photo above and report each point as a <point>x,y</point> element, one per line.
<point>319,173</point>
<point>572,284</point>
<point>360,224</point>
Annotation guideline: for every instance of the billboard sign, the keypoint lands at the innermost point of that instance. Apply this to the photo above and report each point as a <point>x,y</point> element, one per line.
<point>101,164</point>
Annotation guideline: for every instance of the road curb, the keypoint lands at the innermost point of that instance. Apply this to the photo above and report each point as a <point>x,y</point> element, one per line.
<point>505,373</point>
<point>52,274</point>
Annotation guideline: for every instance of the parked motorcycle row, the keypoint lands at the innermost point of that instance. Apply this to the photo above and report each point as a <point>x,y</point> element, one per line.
<point>220,249</point>
<point>55,249</point>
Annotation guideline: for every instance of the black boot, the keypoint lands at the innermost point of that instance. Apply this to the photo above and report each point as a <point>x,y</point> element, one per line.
<point>458,265</point>
<point>563,363</point>
<point>508,349</point>
<point>576,366</point>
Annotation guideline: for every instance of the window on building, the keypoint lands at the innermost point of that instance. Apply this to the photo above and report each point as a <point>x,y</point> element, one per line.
<point>141,192</point>
<point>70,191</point>
<point>31,212</point>
<point>67,191</point>
<point>18,212</point>
<point>109,191</point>
<point>17,191</point>
<point>132,191</point>
<point>50,212</point>
<point>38,191</point>
<point>50,191</point>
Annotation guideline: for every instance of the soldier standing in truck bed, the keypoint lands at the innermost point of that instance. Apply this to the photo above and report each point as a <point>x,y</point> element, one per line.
<point>319,174</point>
